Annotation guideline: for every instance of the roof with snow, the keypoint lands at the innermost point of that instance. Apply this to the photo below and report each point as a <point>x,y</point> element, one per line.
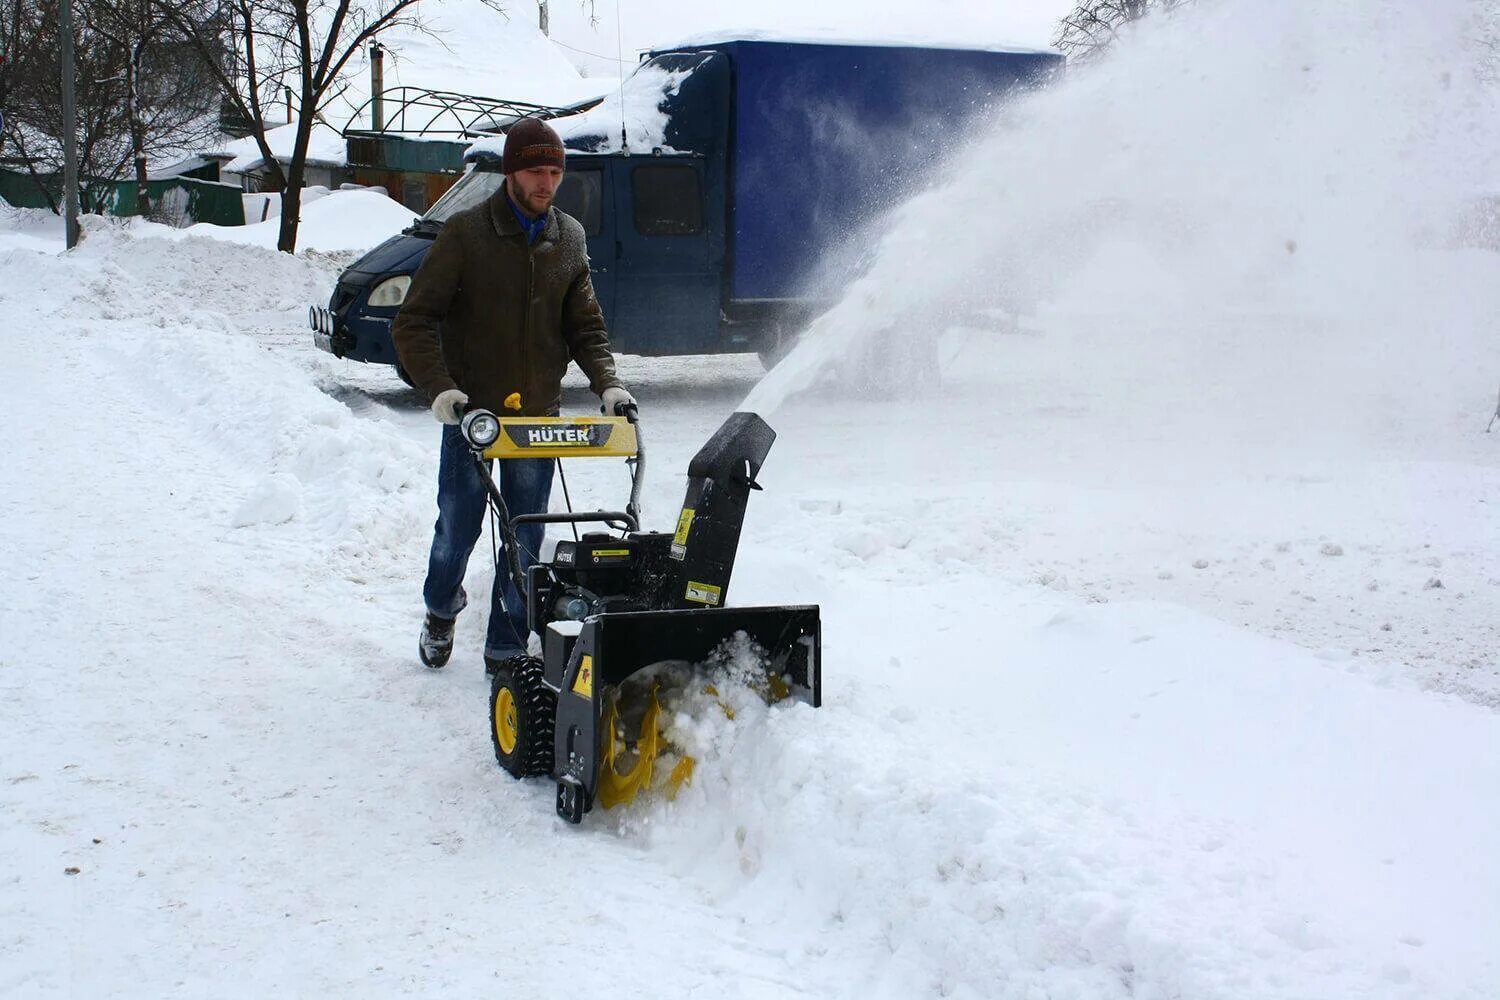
<point>468,47</point>
<point>179,168</point>
<point>325,149</point>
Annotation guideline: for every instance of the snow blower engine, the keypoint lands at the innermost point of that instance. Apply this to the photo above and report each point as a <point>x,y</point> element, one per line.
<point>614,606</point>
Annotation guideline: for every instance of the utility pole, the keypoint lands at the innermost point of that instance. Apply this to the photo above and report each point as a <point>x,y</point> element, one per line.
<point>542,17</point>
<point>70,127</point>
<point>377,85</point>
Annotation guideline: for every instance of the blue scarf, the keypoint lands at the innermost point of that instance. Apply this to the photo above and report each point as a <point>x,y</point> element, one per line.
<point>531,227</point>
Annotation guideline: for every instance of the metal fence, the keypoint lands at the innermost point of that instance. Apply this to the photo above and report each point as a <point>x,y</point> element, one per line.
<point>178,201</point>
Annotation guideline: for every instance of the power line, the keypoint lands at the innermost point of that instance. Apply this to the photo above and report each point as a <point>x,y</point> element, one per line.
<point>586,52</point>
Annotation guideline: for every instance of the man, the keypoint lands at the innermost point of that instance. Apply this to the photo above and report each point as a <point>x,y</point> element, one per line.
<point>499,306</point>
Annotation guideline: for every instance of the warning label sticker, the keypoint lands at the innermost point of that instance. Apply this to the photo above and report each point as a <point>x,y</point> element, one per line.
<point>684,527</point>
<point>704,593</point>
<point>583,684</point>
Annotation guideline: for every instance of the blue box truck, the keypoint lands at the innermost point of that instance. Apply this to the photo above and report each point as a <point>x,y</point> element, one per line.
<point>720,187</point>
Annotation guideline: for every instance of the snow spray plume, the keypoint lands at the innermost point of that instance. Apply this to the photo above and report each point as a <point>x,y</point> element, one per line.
<point>1247,215</point>
<point>845,145</point>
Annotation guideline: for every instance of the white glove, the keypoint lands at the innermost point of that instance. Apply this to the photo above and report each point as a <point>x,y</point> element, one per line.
<point>612,398</point>
<point>447,405</point>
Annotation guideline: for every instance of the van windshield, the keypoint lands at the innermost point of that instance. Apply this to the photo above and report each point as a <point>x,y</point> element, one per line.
<point>581,195</point>
<point>472,189</point>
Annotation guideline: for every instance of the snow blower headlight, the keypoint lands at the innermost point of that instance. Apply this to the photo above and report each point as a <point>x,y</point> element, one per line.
<point>481,428</point>
<point>391,292</point>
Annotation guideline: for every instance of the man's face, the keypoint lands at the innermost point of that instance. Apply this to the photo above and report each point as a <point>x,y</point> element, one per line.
<point>533,188</point>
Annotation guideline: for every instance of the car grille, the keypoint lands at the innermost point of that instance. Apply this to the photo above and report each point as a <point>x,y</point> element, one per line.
<point>343,295</point>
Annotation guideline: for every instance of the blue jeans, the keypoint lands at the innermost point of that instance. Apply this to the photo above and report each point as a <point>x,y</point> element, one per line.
<point>526,485</point>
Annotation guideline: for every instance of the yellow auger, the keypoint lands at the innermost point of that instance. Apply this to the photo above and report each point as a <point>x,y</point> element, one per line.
<point>619,787</point>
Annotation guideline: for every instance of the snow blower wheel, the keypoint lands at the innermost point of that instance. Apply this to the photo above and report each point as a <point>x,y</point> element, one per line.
<point>522,709</point>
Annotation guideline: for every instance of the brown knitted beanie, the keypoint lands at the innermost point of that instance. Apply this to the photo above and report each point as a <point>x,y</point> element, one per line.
<point>531,142</point>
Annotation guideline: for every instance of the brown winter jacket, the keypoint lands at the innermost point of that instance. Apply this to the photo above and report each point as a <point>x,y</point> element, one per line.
<point>490,315</point>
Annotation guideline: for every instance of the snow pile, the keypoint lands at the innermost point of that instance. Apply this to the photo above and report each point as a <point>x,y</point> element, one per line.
<point>336,220</point>
<point>1232,219</point>
<point>30,229</point>
<point>206,361</point>
<point>344,222</point>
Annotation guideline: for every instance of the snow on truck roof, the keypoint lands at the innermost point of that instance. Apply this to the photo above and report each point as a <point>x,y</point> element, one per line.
<point>637,105</point>
<point>815,37</point>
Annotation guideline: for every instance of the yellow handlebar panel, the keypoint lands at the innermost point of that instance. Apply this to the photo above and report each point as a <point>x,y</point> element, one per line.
<point>564,437</point>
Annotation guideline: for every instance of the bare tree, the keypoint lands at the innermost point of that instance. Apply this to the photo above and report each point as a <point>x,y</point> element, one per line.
<point>303,45</point>
<point>139,94</point>
<point>165,85</point>
<point>1094,24</point>
<point>32,92</point>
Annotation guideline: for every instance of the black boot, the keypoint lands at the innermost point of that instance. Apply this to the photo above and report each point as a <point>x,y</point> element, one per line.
<point>436,642</point>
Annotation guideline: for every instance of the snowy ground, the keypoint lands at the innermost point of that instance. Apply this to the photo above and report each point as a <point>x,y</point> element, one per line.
<point>1086,735</point>
<point>1159,633</point>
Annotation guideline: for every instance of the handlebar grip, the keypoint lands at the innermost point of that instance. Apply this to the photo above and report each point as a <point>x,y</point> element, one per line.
<point>629,411</point>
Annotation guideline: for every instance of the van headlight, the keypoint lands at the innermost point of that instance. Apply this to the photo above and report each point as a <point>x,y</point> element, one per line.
<point>391,292</point>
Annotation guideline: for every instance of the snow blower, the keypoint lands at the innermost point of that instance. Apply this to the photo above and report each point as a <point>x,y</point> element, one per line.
<point>614,606</point>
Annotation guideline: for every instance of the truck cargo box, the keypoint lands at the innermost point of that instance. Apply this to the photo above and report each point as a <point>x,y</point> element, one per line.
<point>822,136</point>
